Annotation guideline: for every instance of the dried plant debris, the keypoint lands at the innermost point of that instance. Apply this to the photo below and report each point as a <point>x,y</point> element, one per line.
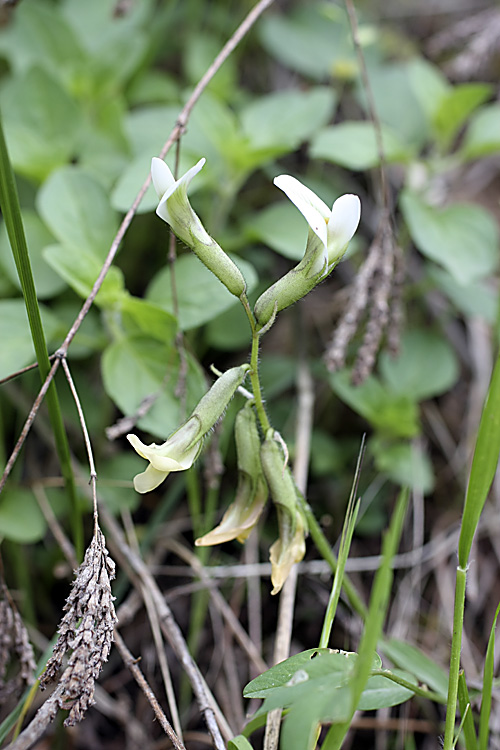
<point>14,641</point>
<point>376,291</point>
<point>86,629</point>
<point>474,45</point>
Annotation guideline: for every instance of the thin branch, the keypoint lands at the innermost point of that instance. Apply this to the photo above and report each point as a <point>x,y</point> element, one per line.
<point>131,664</point>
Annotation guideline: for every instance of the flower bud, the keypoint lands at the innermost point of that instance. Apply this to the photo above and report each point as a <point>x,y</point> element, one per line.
<point>290,546</point>
<point>175,208</point>
<point>251,493</point>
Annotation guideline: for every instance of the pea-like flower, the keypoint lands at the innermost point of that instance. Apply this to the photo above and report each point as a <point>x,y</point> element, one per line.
<point>329,234</point>
<point>183,447</point>
<point>174,208</point>
<point>251,492</point>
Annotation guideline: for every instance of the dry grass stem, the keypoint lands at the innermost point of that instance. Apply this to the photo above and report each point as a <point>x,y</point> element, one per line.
<point>14,642</point>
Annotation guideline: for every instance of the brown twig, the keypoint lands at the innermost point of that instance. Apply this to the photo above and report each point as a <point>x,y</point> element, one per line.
<point>131,664</point>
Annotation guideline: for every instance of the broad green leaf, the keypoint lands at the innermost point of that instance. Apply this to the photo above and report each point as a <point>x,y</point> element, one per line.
<point>91,336</point>
<point>281,227</point>
<point>285,119</point>
<point>200,295</point>
<point>42,123</point>
<point>396,103</point>
<point>315,662</point>
<point>404,463</point>
<point>230,330</point>
<point>310,42</point>
<point>76,209</point>
<point>142,317</point>
<point>410,373</point>
<point>461,237</point>
<point>429,86</point>
<point>136,367</point>
<point>200,50</point>
<point>129,183</point>
<point>96,22</point>
<point>413,660</point>
<point>484,466</point>
<point>483,133</point>
<point>478,298</point>
<point>380,692</point>
<point>37,35</point>
<point>354,145</point>
<point>47,283</point>
<point>393,414</point>
<point>147,128</point>
<point>15,335</point>
<point>80,270</point>
<point>456,106</point>
<point>21,520</point>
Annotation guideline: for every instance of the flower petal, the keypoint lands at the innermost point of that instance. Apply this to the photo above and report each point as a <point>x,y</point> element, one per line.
<point>314,210</point>
<point>149,479</point>
<point>162,177</point>
<point>344,220</point>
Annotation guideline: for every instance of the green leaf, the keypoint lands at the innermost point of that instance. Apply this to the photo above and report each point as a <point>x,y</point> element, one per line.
<point>405,464</point>
<point>483,469</point>
<point>413,660</point>
<point>380,692</point>
<point>200,295</point>
<point>239,743</point>
<point>483,134</point>
<point>396,103</point>
<point>354,145</point>
<point>147,128</point>
<point>42,123</point>
<point>21,520</point>
<point>429,86</point>
<point>394,415</point>
<point>136,367</point>
<point>129,183</point>
<point>229,331</point>
<point>409,373</point>
<point>283,120</point>
<point>310,42</point>
<point>281,227</point>
<point>76,209</point>
<point>47,283</point>
<point>80,269</point>
<point>142,317</point>
<point>38,36</point>
<point>478,298</point>
<point>15,335</point>
<point>456,106</point>
<point>488,674</point>
<point>463,238</point>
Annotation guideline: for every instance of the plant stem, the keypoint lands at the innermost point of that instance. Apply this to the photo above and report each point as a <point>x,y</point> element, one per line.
<point>456,645</point>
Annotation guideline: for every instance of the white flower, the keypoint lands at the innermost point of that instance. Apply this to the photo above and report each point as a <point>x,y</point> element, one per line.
<point>174,208</point>
<point>334,228</point>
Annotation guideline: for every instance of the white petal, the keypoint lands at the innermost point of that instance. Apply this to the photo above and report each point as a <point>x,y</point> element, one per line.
<point>149,479</point>
<point>162,177</point>
<point>138,446</point>
<point>344,219</point>
<point>314,210</point>
<point>188,176</point>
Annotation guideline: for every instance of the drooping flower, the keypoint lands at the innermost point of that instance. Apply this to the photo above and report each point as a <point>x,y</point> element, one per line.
<point>174,208</point>
<point>290,546</point>
<point>329,234</point>
<point>183,447</point>
<point>251,493</point>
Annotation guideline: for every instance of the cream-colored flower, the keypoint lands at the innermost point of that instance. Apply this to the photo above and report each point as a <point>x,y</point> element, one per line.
<point>334,227</point>
<point>174,208</point>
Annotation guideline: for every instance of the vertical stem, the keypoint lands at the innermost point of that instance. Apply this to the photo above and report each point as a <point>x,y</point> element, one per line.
<point>456,646</point>
<point>254,378</point>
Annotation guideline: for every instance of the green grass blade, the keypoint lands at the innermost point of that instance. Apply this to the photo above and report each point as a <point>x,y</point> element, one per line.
<point>484,717</point>
<point>345,546</point>
<point>466,713</point>
<point>9,203</point>
<point>484,465</point>
<point>373,625</point>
